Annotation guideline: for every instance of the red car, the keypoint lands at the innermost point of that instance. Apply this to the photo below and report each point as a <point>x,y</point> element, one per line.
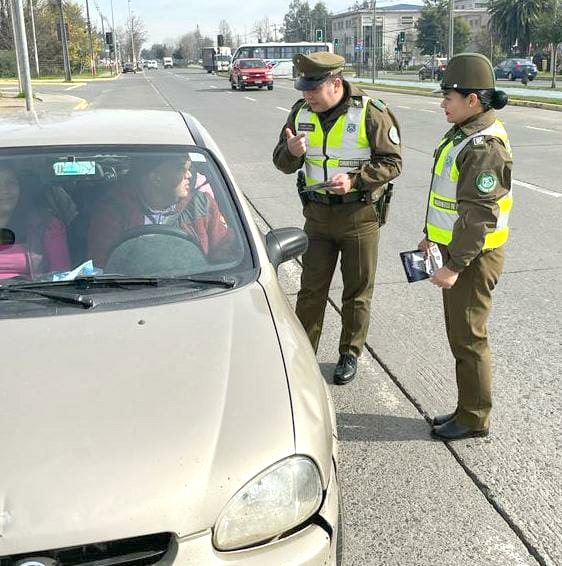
<point>251,72</point>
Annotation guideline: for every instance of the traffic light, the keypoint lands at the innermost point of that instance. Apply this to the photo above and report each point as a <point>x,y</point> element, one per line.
<point>109,38</point>
<point>220,40</point>
<point>336,41</point>
<point>401,38</point>
<point>319,34</point>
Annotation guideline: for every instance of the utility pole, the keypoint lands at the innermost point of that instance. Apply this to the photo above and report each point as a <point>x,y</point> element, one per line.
<point>34,37</point>
<point>92,55</point>
<point>16,45</point>
<point>21,40</point>
<point>374,40</point>
<point>451,27</point>
<point>553,48</point>
<point>64,39</point>
<point>114,38</point>
<point>132,39</point>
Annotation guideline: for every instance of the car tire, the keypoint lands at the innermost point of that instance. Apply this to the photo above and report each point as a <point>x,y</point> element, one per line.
<point>269,87</point>
<point>241,85</point>
<point>510,76</point>
<point>232,85</point>
<point>421,76</point>
<point>531,78</point>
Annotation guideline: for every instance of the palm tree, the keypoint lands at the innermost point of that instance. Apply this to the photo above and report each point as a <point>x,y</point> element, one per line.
<point>512,21</point>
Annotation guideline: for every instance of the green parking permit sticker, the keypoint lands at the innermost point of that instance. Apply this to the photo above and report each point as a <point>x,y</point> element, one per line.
<point>63,168</point>
<point>486,181</point>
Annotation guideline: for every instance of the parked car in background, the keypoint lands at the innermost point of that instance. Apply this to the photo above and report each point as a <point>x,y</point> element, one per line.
<point>129,68</point>
<point>516,69</point>
<point>179,413</point>
<point>152,64</point>
<point>251,72</point>
<point>433,69</point>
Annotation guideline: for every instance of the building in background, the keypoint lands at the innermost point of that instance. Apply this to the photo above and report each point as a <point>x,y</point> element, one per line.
<point>395,36</point>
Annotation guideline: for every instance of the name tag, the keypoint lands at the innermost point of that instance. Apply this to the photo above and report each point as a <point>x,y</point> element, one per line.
<point>305,127</point>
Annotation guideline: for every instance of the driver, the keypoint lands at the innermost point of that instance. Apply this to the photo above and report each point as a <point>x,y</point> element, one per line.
<point>168,193</point>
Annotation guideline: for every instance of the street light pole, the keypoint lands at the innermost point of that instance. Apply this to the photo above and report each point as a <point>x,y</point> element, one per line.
<point>34,37</point>
<point>132,39</point>
<point>21,40</point>
<point>64,40</point>
<point>451,27</point>
<point>374,39</point>
<point>92,54</point>
<point>114,38</point>
<point>16,45</point>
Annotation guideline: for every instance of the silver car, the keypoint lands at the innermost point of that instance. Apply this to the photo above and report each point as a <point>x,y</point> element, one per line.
<point>161,403</point>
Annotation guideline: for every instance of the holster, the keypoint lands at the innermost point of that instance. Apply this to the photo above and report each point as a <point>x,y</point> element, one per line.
<point>383,204</point>
<point>301,185</point>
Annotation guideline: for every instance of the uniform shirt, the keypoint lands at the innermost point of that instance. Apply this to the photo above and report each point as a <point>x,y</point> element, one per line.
<point>386,160</point>
<point>478,211</point>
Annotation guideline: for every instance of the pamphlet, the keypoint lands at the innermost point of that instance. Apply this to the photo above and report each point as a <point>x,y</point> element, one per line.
<point>420,265</point>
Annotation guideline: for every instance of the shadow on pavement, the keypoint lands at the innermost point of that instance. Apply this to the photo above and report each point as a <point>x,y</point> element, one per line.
<point>381,428</point>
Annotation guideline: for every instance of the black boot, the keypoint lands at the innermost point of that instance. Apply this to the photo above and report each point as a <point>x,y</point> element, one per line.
<point>345,369</point>
<point>442,419</point>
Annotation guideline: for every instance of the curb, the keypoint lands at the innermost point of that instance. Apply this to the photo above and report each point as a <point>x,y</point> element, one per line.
<point>511,102</point>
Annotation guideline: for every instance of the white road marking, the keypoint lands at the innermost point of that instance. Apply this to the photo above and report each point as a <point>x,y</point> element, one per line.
<point>73,87</point>
<point>248,98</point>
<point>213,86</point>
<point>281,108</point>
<point>541,129</point>
<point>424,110</point>
<point>538,189</point>
<point>407,107</point>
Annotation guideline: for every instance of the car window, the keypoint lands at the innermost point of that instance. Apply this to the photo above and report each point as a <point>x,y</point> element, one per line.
<point>116,210</point>
<point>252,64</point>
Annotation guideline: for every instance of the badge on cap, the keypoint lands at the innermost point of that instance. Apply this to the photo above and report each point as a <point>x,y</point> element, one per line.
<point>486,182</point>
<point>393,135</point>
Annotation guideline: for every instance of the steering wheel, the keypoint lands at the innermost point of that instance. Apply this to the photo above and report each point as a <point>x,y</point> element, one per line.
<point>156,250</point>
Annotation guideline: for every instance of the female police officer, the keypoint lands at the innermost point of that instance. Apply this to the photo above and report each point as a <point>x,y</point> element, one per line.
<point>467,213</point>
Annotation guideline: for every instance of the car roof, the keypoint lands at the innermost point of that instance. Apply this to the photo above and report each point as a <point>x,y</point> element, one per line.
<point>95,127</point>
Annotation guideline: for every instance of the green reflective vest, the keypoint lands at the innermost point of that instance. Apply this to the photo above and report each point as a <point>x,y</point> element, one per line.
<point>345,148</point>
<point>442,211</point>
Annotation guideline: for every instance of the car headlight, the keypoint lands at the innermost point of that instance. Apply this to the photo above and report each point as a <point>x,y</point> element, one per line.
<point>280,498</point>
<point>244,77</point>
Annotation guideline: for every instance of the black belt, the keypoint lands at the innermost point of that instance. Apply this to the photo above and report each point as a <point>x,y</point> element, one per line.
<point>337,199</point>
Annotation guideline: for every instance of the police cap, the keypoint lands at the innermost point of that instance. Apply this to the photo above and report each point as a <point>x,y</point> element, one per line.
<point>314,69</point>
<point>468,71</point>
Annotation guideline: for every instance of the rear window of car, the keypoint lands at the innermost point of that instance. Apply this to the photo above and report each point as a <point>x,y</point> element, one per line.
<point>87,210</point>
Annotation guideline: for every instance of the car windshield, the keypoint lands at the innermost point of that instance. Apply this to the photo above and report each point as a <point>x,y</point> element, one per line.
<point>252,64</point>
<point>67,213</point>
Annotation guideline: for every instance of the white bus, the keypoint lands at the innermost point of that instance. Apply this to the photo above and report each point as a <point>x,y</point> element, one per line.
<point>279,54</point>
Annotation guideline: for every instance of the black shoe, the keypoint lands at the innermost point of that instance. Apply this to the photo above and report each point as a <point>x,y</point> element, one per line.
<point>452,430</point>
<point>345,369</point>
<point>442,419</point>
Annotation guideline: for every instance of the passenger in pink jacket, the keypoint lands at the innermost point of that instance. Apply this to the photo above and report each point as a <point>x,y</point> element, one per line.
<point>32,241</point>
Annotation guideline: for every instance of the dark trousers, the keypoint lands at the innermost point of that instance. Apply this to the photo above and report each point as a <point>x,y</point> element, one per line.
<point>351,230</point>
<point>467,306</point>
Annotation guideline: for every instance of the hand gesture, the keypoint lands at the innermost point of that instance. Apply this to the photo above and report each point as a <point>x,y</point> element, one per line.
<point>296,144</point>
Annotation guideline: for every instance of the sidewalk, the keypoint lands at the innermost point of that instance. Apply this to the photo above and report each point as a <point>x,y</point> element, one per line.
<point>9,101</point>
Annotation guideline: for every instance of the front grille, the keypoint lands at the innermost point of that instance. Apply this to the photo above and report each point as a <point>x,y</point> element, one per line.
<point>137,551</point>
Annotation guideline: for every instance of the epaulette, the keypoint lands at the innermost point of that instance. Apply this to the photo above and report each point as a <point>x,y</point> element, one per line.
<point>378,104</point>
<point>479,141</point>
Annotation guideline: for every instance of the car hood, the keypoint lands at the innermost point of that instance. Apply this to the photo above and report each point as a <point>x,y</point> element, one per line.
<point>116,424</point>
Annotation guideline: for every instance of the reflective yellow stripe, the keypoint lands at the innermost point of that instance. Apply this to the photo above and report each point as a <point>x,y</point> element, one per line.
<point>438,235</point>
<point>496,238</point>
<point>442,156</point>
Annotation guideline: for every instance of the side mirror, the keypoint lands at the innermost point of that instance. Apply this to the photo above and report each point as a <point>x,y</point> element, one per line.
<point>284,244</point>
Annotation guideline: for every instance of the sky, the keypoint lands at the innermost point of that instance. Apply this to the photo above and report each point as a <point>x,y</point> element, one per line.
<point>170,19</point>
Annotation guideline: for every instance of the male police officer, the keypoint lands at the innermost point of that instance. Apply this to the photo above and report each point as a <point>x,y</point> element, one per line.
<point>350,143</point>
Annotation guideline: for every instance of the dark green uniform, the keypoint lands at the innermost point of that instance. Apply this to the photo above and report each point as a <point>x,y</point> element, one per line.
<point>476,247</point>
<point>350,229</point>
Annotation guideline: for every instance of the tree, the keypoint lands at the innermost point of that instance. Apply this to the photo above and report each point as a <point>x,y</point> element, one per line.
<point>321,20</point>
<point>433,29</point>
<point>297,24</point>
<point>261,30</point>
<point>549,32</point>
<point>513,22</point>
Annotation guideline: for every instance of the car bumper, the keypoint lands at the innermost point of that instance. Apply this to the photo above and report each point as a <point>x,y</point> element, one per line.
<point>257,83</point>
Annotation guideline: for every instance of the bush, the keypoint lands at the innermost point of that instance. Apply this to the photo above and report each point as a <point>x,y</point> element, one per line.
<point>8,65</point>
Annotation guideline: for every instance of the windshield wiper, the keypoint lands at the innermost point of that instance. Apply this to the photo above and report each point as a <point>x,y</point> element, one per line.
<point>84,301</point>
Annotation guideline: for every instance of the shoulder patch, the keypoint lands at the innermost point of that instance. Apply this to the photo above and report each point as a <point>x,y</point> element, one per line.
<point>378,104</point>
<point>486,182</point>
<point>478,141</point>
<point>393,135</point>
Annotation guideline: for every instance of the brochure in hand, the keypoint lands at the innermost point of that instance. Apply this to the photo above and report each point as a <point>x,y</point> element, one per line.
<point>420,265</point>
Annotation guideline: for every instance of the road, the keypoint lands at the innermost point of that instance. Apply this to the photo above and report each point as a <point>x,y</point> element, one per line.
<point>409,500</point>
